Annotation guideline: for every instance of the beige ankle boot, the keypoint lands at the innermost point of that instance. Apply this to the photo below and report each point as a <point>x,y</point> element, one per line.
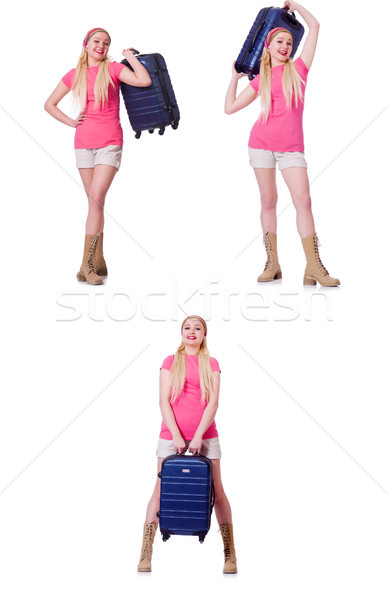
<point>272,268</point>
<point>100,264</point>
<point>315,270</point>
<point>230,564</point>
<point>87,271</point>
<point>146,549</point>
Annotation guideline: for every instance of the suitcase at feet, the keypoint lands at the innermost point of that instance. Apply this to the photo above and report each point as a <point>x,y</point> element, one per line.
<point>248,61</point>
<point>155,106</point>
<point>186,496</point>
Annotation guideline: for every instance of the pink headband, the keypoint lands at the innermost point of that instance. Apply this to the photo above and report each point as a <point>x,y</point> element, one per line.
<point>92,32</point>
<point>275,32</point>
<point>199,319</point>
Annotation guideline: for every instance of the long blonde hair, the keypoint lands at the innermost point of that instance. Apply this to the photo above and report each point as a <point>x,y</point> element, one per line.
<point>178,372</point>
<point>101,85</point>
<point>292,84</point>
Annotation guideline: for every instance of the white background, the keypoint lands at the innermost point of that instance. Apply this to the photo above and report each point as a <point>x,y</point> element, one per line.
<point>302,415</point>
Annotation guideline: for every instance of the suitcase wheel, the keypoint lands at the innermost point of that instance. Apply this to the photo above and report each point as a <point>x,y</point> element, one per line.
<point>151,130</point>
<point>165,537</point>
<point>201,539</point>
<point>137,134</point>
<point>161,131</point>
<point>174,125</point>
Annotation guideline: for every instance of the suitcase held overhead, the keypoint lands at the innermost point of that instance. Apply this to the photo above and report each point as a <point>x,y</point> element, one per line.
<point>248,60</point>
<point>186,496</point>
<point>155,106</point>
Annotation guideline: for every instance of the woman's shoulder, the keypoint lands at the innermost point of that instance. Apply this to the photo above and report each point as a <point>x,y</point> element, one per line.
<point>167,363</point>
<point>214,364</point>
<point>115,67</point>
<point>68,79</point>
<point>300,66</point>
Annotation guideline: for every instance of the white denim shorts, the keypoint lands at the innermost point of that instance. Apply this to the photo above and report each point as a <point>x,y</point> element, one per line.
<point>88,158</point>
<point>210,448</point>
<point>265,159</point>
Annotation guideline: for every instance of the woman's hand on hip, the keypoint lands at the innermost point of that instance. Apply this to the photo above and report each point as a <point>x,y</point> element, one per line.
<point>179,444</point>
<point>80,119</point>
<point>195,445</point>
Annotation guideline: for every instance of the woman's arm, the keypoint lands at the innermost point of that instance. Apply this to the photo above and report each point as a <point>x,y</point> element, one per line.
<point>139,77</point>
<point>167,412</point>
<point>310,44</point>
<point>208,415</point>
<point>248,95</point>
<point>51,106</point>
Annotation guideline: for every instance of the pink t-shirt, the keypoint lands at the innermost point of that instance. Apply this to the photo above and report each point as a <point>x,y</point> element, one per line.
<point>188,407</point>
<point>283,132</point>
<point>102,126</point>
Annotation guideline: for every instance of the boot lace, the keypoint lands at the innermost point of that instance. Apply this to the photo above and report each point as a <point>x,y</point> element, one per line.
<point>229,552</point>
<point>321,267</point>
<point>92,253</point>
<point>270,260</point>
<point>146,551</point>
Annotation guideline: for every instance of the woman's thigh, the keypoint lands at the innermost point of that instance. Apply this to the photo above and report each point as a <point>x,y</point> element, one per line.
<point>217,477</point>
<point>266,179</point>
<point>157,484</point>
<point>102,178</point>
<point>87,178</point>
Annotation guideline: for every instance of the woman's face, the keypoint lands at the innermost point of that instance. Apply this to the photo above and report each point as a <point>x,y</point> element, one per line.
<point>193,333</point>
<point>281,47</point>
<point>98,46</point>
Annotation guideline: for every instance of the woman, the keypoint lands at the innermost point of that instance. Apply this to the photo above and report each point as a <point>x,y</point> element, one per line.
<point>189,390</point>
<point>98,142</point>
<point>277,137</point>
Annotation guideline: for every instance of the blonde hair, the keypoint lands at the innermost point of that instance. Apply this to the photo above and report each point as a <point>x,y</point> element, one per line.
<point>292,84</point>
<point>101,85</point>
<point>178,372</point>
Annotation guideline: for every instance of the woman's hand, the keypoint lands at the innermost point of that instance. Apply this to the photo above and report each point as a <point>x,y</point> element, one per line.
<point>179,444</point>
<point>196,445</point>
<point>80,119</point>
<point>128,53</point>
<point>235,74</point>
<point>291,6</point>
<point>138,76</point>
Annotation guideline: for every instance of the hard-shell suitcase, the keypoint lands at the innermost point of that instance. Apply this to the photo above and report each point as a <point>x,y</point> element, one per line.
<point>155,106</point>
<point>186,496</point>
<point>248,60</point>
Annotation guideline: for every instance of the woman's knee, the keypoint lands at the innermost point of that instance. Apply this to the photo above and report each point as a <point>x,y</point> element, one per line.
<point>96,201</point>
<point>268,201</point>
<point>303,201</point>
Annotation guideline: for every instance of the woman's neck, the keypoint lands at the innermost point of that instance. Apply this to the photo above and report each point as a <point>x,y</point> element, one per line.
<point>191,351</point>
<point>93,63</point>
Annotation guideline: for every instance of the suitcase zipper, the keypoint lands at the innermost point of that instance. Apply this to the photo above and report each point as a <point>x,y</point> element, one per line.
<point>169,106</point>
<point>257,30</point>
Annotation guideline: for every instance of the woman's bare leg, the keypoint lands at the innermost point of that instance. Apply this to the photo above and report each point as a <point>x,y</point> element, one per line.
<point>154,503</point>
<point>222,506</point>
<point>297,182</point>
<point>96,182</point>
<point>266,179</point>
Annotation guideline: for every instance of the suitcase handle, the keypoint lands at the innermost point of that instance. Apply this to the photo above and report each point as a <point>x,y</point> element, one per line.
<point>289,17</point>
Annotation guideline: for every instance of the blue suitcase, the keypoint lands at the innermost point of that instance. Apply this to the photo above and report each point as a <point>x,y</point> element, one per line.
<point>155,106</point>
<point>248,60</point>
<point>186,496</point>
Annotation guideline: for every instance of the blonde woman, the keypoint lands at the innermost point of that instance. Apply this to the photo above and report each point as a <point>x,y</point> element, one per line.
<point>277,138</point>
<point>189,390</point>
<point>98,142</point>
